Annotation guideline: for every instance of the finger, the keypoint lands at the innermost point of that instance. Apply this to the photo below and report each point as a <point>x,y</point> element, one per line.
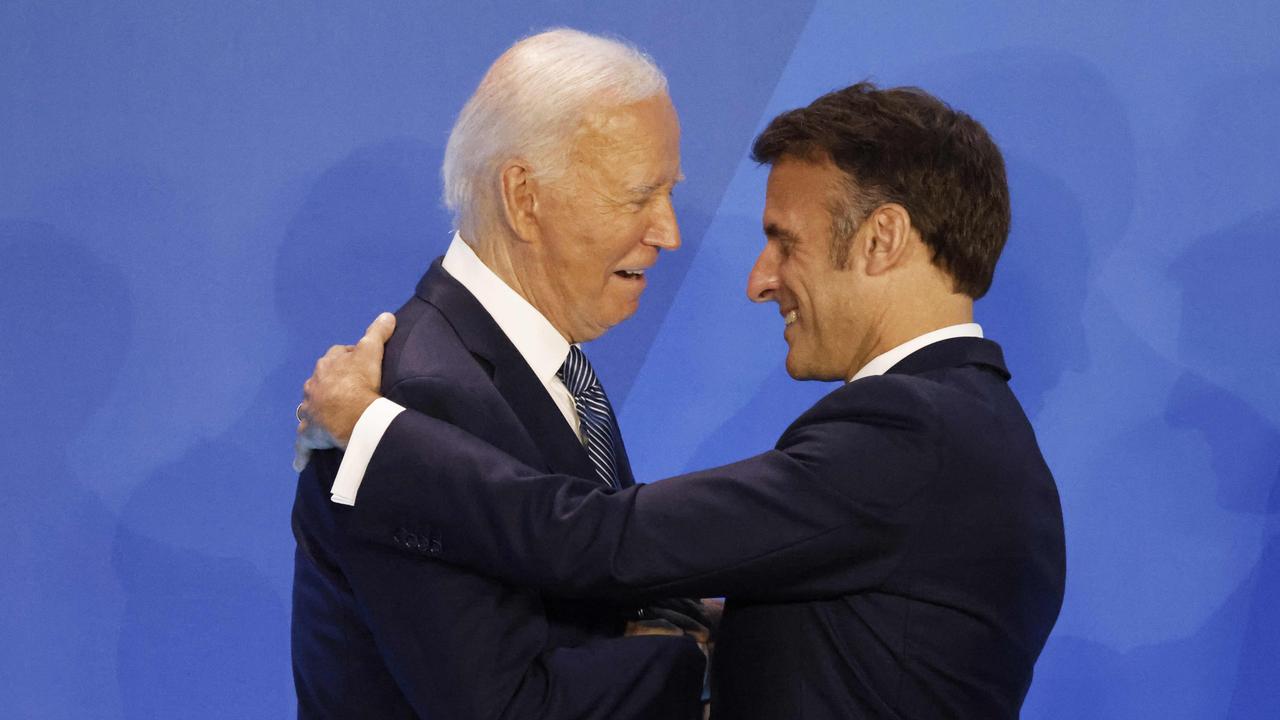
<point>382,327</point>
<point>377,334</point>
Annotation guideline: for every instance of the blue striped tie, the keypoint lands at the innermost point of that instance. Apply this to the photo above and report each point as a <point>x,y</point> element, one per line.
<point>594,413</point>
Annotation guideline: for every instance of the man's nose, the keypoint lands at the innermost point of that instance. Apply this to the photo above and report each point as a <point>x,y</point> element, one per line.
<point>762,282</point>
<point>664,230</point>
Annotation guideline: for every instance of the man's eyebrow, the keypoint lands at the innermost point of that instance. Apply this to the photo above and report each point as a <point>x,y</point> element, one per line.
<point>651,188</point>
<point>773,231</point>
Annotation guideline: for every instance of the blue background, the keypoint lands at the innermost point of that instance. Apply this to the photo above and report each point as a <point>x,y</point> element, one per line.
<point>196,199</point>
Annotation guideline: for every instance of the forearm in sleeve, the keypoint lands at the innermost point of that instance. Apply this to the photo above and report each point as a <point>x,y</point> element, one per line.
<point>778,525</point>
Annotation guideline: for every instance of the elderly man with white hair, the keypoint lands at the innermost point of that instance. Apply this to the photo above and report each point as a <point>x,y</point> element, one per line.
<point>559,171</point>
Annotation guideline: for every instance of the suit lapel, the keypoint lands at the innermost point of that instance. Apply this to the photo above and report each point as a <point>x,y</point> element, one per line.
<point>561,450</point>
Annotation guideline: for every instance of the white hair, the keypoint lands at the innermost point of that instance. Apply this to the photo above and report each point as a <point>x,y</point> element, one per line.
<point>529,105</point>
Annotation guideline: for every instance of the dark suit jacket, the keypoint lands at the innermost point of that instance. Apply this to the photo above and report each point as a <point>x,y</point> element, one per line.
<point>899,553</point>
<point>382,633</point>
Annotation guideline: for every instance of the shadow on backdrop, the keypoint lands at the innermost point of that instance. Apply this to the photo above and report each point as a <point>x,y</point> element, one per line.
<point>720,93</point>
<point>1229,319</point>
<point>68,319</point>
<point>1069,152</point>
<point>1225,287</point>
<point>1230,311</point>
<point>1230,333</point>
<point>1036,303</point>
<point>205,549</point>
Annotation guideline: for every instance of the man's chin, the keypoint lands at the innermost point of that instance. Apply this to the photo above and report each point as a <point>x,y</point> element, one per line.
<point>795,366</point>
<point>602,326</point>
<point>623,311</point>
<point>801,369</point>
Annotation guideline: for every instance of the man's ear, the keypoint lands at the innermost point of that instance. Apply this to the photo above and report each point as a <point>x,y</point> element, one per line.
<point>520,199</point>
<point>887,236</point>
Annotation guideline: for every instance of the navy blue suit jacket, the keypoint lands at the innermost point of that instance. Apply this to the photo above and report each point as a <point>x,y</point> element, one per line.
<point>383,633</point>
<point>898,554</point>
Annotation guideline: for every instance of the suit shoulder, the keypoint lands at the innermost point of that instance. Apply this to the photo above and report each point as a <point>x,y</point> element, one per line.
<point>879,416</point>
<point>426,345</point>
<point>962,392</point>
<point>902,400</point>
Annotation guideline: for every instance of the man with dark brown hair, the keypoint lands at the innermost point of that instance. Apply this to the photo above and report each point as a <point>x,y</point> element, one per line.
<point>899,552</point>
<point>905,146</point>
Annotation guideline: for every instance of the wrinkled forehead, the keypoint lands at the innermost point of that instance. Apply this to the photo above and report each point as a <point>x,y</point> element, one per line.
<point>647,132</point>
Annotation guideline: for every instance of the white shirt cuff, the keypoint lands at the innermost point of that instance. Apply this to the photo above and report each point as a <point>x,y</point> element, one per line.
<point>365,437</point>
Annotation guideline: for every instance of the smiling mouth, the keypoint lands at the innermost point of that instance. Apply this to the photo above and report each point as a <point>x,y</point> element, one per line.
<point>630,274</point>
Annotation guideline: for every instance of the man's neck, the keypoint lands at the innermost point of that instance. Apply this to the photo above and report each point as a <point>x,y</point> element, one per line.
<point>882,363</point>
<point>907,333</point>
<point>496,257</point>
<point>903,326</point>
<point>512,261</point>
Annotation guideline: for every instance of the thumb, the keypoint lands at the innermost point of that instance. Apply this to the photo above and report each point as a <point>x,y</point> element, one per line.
<point>378,333</point>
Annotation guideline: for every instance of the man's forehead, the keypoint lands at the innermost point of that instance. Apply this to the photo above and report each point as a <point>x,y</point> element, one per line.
<point>796,188</point>
<point>633,148</point>
<point>605,122</point>
<point>792,176</point>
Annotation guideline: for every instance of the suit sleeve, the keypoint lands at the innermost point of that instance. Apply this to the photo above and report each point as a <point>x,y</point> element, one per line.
<point>440,627</point>
<point>828,511</point>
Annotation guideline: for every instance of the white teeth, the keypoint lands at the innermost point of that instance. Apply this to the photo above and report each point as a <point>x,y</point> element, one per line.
<point>789,318</point>
<point>632,273</point>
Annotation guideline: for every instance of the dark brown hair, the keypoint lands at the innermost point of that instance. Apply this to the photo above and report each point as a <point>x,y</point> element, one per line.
<point>903,145</point>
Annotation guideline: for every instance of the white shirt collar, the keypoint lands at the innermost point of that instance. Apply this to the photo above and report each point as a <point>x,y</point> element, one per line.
<point>537,340</point>
<point>881,363</point>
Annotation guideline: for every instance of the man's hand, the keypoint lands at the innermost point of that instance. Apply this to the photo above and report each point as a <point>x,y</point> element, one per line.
<point>344,383</point>
<point>680,616</point>
<point>698,619</point>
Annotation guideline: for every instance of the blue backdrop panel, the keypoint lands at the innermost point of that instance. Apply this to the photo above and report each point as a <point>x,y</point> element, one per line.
<point>197,199</point>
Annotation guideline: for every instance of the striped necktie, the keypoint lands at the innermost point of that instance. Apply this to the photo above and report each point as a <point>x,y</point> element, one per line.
<point>594,413</point>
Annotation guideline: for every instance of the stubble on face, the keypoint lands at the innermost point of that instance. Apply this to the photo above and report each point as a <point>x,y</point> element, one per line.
<point>822,312</point>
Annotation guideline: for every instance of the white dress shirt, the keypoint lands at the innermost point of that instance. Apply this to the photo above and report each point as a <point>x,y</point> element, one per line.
<point>534,337</point>
<point>881,363</point>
